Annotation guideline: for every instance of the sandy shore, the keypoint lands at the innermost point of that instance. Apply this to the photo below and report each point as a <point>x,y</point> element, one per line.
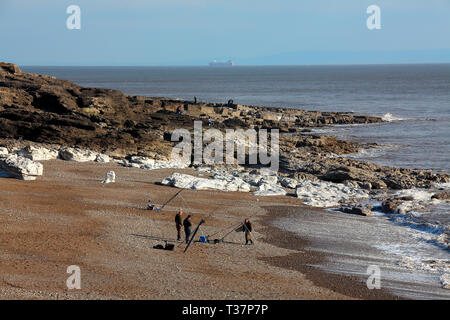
<point>67,217</point>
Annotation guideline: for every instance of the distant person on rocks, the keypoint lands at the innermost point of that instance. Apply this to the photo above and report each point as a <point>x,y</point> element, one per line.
<point>195,100</point>
<point>178,110</point>
<point>178,224</point>
<point>187,227</point>
<point>248,231</point>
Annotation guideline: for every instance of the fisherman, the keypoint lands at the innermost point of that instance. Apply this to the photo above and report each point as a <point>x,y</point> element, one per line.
<point>150,206</point>
<point>178,110</point>
<point>247,226</point>
<point>178,224</point>
<point>195,100</point>
<point>187,227</point>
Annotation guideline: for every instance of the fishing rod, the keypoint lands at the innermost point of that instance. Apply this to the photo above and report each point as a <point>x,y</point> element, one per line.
<point>167,202</point>
<point>234,229</point>
<point>193,235</point>
<point>223,229</point>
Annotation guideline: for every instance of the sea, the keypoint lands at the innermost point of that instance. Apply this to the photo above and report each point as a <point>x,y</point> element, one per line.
<point>413,99</point>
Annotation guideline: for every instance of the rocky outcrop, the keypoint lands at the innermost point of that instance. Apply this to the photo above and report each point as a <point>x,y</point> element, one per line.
<point>267,189</point>
<point>102,158</point>
<point>20,167</point>
<point>185,181</point>
<point>358,210</point>
<point>9,68</point>
<point>78,155</point>
<point>38,153</point>
<point>391,206</point>
<point>45,110</point>
<point>328,194</point>
<point>152,164</point>
<point>444,195</point>
<point>288,182</point>
<point>41,108</point>
<point>338,169</point>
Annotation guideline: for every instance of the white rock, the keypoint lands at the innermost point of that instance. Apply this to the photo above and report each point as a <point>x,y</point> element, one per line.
<point>288,182</point>
<point>103,158</point>
<point>234,182</point>
<point>142,160</point>
<point>266,179</point>
<point>179,180</point>
<point>327,194</point>
<point>445,280</point>
<point>185,181</point>
<point>110,177</point>
<point>151,164</point>
<point>3,151</point>
<point>252,179</point>
<point>38,153</point>
<point>78,155</point>
<point>267,189</point>
<point>202,170</point>
<point>20,167</point>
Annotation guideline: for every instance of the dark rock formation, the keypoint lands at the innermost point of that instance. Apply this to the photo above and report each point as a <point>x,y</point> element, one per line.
<point>44,109</point>
<point>444,195</point>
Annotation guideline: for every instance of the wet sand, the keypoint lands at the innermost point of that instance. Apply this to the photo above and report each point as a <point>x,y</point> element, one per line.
<point>306,260</point>
<point>67,217</point>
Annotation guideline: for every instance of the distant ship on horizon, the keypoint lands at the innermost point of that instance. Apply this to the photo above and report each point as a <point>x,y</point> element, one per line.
<point>216,63</point>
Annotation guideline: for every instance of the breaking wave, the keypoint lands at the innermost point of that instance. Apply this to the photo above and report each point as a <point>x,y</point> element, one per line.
<point>389,117</point>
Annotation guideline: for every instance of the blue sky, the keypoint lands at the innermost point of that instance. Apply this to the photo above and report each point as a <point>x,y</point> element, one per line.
<point>193,32</point>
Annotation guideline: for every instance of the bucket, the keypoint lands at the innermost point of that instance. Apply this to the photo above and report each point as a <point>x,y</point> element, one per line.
<point>203,239</point>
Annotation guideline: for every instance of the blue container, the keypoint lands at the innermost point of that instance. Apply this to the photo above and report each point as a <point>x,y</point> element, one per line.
<point>203,239</point>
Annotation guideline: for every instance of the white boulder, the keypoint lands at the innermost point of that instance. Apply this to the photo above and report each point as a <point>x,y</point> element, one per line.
<point>110,177</point>
<point>3,151</point>
<point>78,155</point>
<point>327,194</point>
<point>142,160</point>
<point>445,280</point>
<point>185,181</point>
<point>102,158</point>
<point>253,179</point>
<point>38,153</point>
<point>267,189</point>
<point>272,180</point>
<point>20,167</point>
<point>151,164</point>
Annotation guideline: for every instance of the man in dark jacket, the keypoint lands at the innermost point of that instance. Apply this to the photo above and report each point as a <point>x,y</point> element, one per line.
<point>187,227</point>
<point>248,231</point>
<point>178,224</point>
